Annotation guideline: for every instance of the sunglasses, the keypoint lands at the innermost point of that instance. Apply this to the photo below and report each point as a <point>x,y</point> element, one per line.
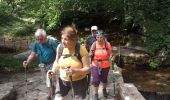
<point>99,37</point>
<point>41,39</point>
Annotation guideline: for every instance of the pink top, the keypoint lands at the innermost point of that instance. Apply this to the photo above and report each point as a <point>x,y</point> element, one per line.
<point>101,55</point>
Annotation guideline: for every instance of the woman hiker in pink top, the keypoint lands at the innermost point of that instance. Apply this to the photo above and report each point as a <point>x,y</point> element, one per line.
<point>100,52</point>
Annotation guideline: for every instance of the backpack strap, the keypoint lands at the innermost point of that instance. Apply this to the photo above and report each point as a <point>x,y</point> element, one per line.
<point>38,49</point>
<point>106,45</point>
<point>94,48</point>
<point>77,52</point>
<point>60,50</point>
<point>50,45</point>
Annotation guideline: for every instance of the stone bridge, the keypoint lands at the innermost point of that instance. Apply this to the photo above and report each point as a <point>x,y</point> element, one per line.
<point>14,87</point>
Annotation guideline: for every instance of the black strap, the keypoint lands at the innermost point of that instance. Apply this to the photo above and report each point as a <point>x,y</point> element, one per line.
<point>50,45</point>
<point>77,52</point>
<point>94,48</point>
<point>60,50</point>
<point>106,45</point>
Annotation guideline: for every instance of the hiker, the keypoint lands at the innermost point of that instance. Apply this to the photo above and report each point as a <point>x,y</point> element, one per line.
<point>45,50</point>
<point>72,66</point>
<point>101,53</point>
<point>91,38</point>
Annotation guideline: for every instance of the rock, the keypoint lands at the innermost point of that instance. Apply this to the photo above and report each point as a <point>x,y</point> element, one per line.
<point>129,92</point>
<point>23,55</point>
<point>7,91</point>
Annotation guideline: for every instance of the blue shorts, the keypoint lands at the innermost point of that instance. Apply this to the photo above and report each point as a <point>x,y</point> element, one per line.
<point>99,74</point>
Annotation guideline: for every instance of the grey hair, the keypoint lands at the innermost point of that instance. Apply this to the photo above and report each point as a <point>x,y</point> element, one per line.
<point>40,32</point>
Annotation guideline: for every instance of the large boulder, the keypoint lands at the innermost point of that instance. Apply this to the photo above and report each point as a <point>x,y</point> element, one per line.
<point>7,91</point>
<point>23,55</point>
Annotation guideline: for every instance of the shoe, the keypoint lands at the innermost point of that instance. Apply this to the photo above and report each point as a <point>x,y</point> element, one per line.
<point>95,97</point>
<point>48,98</point>
<point>104,93</point>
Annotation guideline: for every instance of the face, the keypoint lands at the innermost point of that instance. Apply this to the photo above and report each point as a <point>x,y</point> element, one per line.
<point>41,39</point>
<point>66,41</point>
<point>93,32</point>
<point>100,38</point>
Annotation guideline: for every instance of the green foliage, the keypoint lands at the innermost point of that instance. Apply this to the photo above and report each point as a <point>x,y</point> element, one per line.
<point>14,65</point>
<point>154,63</point>
<point>51,14</point>
<point>5,14</point>
<point>86,13</point>
<point>153,19</point>
<point>23,30</point>
<point>148,18</point>
<point>155,36</point>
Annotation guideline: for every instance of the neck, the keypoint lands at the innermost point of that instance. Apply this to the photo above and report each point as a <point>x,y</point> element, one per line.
<point>71,47</point>
<point>100,42</point>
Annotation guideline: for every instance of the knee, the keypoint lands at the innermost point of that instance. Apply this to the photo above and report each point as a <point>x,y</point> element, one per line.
<point>95,84</point>
<point>58,97</point>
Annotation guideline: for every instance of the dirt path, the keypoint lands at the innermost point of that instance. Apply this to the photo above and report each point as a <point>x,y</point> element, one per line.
<point>36,88</point>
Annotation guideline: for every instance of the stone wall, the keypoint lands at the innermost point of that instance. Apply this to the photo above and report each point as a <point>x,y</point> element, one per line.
<point>126,91</point>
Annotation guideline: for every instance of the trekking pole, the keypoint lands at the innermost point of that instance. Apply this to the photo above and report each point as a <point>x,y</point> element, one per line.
<point>26,88</point>
<point>119,56</point>
<point>51,84</point>
<point>71,83</point>
<point>114,81</point>
<point>88,85</point>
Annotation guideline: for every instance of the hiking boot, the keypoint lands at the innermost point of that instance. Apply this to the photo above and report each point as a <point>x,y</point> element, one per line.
<point>48,98</point>
<point>104,93</point>
<point>95,97</point>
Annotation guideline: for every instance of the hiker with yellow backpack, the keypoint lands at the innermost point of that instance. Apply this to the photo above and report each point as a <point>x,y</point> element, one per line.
<point>72,62</point>
<point>100,53</point>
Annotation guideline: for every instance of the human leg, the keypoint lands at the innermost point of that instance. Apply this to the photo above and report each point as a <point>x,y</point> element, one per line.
<point>50,82</point>
<point>80,92</point>
<point>95,81</point>
<point>104,76</point>
<point>62,89</point>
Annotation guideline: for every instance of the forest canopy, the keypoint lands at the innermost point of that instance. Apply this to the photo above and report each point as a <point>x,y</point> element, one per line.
<point>149,19</point>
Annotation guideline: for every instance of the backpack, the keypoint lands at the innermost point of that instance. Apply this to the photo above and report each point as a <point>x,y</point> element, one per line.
<point>77,52</point>
<point>94,48</point>
<point>53,38</point>
<point>49,45</point>
<point>106,45</point>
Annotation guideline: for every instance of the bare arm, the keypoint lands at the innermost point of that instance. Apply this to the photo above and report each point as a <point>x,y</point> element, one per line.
<point>84,70</point>
<point>29,59</point>
<point>55,64</point>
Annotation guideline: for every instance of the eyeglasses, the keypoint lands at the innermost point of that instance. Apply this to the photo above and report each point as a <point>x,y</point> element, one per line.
<point>93,30</point>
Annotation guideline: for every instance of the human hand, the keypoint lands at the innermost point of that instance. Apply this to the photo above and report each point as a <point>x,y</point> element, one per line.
<point>25,63</point>
<point>50,73</point>
<point>112,57</point>
<point>70,71</point>
<point>91,53</point>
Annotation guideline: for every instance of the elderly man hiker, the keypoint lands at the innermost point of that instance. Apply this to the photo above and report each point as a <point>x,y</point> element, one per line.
<point>45,50</point>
